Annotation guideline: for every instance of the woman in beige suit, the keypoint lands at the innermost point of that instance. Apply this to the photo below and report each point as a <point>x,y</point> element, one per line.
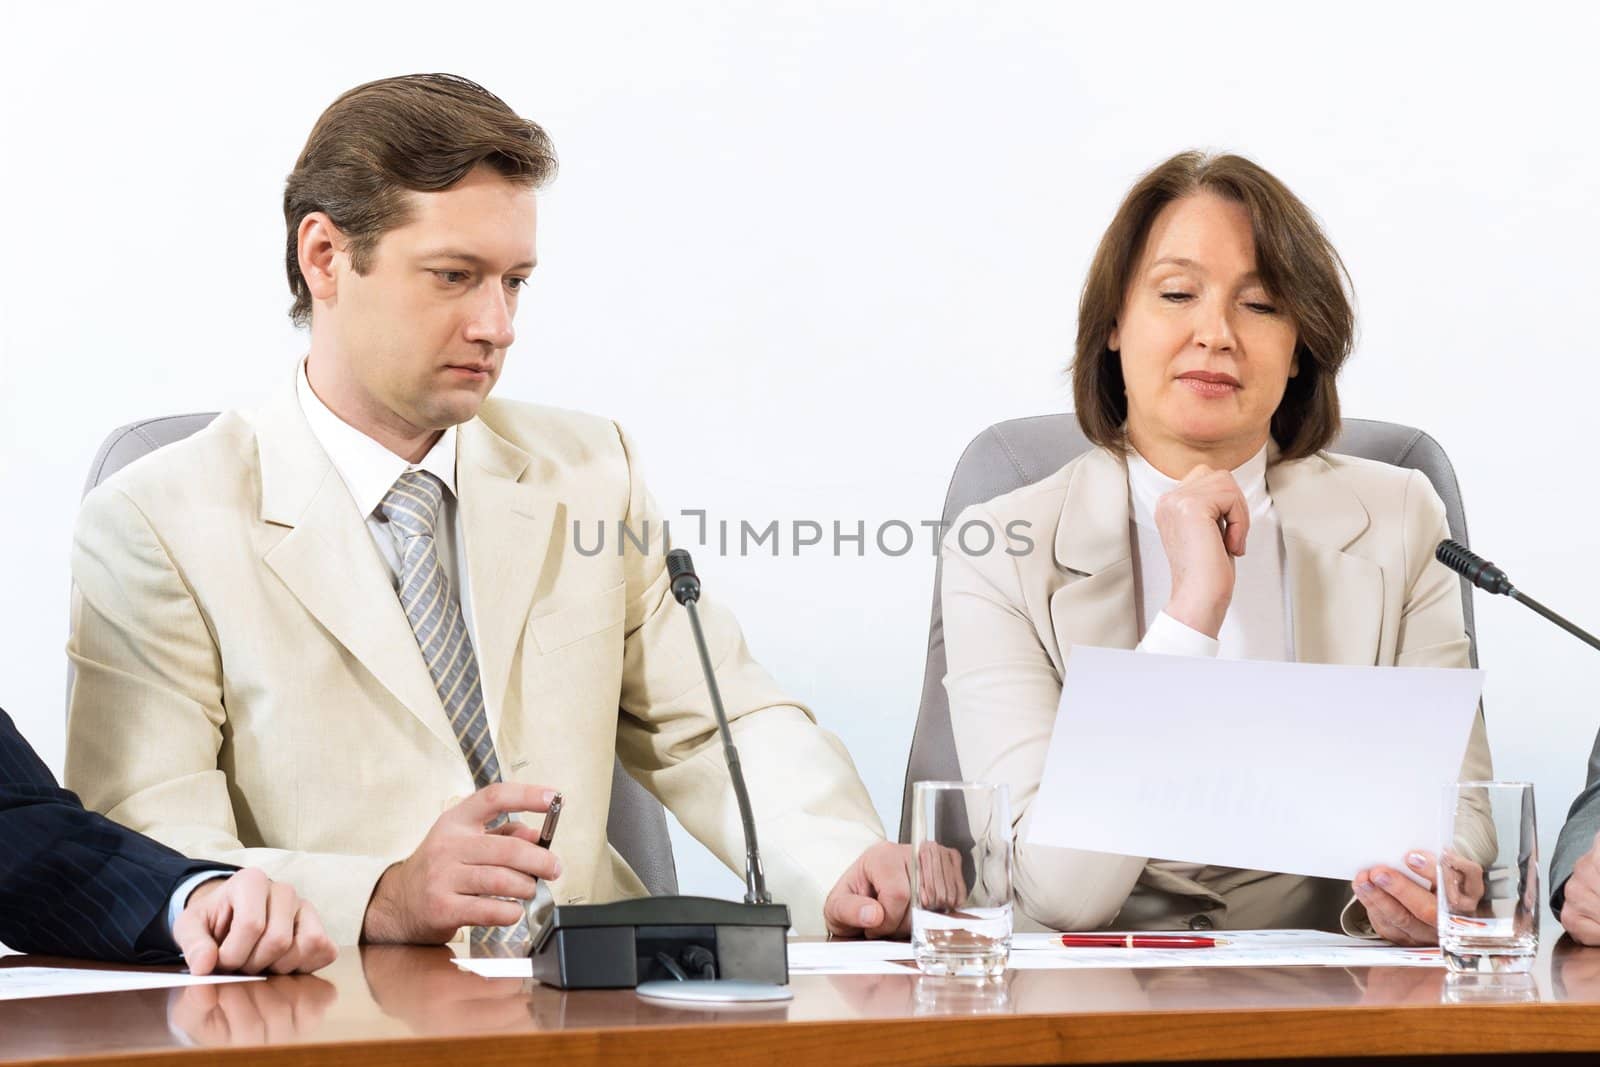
<point>1207,521</point>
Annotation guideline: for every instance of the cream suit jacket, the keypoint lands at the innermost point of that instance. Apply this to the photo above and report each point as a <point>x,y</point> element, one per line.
<point>248,688</point>
<point>1358,538</point>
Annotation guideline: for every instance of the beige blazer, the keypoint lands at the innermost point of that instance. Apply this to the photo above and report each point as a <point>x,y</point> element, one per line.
<point>1358,538</point>
<point>248,688</point>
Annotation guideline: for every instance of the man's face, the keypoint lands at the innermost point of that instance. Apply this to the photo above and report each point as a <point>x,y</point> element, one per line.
<point>423,333</point>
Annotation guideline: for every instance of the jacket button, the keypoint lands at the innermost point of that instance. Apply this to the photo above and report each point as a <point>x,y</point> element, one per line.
<point>1202,922</point>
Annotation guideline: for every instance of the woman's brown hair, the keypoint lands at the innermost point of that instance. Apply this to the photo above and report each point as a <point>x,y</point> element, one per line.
<point>1296,263</point>
<point>381,140</point>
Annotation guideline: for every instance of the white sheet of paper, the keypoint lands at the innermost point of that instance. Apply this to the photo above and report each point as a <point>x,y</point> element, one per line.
<point>851,957</point>
<point>1243,948</point>
<point>1034,952</point>
<point>1383,955</point>
<point>23,983</point>
<point>1301,768</point>
<point>497,966</point>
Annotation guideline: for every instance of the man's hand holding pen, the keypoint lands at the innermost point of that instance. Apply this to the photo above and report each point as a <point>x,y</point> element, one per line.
<point>455,876</point>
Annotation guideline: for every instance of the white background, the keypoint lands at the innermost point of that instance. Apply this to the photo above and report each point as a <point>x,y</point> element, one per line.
<point>804,252</point>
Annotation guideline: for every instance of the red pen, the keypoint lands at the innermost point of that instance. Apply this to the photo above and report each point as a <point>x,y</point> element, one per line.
<point>1139,941</point>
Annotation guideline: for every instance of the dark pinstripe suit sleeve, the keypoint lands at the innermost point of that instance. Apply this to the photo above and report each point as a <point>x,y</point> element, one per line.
<point>73,883</point>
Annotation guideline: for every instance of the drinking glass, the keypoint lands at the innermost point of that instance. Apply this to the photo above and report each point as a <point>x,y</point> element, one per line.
<point>1488,878</point>
<point>961,879</point>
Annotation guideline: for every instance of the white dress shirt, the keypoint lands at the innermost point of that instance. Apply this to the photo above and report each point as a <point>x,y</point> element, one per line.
<point>370,470</point>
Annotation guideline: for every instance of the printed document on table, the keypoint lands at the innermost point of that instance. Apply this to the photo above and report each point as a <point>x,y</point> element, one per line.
<point>1044,952</point>
<point>1301,768</point>
<point>23,983</point>
<point>851,957</point>
<point>1240,948</point>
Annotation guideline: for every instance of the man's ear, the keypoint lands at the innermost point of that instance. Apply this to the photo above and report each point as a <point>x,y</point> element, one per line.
<point>319,243</point>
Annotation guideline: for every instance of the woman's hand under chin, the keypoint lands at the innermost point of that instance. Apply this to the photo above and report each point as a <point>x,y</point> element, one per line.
<point>1203,525</point>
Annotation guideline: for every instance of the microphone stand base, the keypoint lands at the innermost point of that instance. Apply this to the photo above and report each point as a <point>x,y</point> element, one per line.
<point>714,993</point>
<point>686,941</point>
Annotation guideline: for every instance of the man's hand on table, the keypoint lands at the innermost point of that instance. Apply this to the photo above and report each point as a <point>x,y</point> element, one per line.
<point>251,1013</point>
<point>1580,906</point>
<point>873,897</point>
<point>250,924</point>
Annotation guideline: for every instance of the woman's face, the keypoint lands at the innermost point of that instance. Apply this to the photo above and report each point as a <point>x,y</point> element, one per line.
<point>1206,351</point>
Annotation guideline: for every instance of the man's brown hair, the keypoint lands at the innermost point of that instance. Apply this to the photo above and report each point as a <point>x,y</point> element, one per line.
<point>384,139</point>
<point>1296,263</point>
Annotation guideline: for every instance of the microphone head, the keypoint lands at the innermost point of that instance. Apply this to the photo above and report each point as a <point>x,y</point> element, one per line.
<point>1473,567</point>
<point>680,571</point>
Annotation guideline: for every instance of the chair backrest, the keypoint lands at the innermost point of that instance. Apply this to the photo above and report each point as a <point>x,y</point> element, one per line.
<point>1009,455</point>
<point>636,825</point>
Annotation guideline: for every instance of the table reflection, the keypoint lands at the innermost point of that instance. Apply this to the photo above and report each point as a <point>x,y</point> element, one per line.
<point>962,996</point>
<point>423,988</point>
<point>382,993</point>
<point>1575,971</point>
<point>48,1027</point>
<point>1182,988</point>
<point>1383,986</point>
<point>1490,989</point>
<point>281,1009</point>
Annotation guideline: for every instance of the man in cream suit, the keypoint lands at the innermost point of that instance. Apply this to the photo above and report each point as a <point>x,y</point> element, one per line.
<point>343,635</point>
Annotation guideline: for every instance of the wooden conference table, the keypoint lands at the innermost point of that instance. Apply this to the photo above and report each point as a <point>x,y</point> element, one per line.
<point>408,1005</point>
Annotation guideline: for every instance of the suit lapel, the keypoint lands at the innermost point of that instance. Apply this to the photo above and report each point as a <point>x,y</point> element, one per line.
<point>1092,542</point>
<point>327,560</point>
<point>1337,596</point>
<point>507,521</point>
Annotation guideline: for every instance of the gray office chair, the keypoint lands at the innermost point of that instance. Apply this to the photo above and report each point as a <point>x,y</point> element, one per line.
<point>1009,455</point>
<point>636,825</point>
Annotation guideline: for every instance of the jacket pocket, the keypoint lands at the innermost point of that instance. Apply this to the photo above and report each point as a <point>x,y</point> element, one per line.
<point>586,618</point>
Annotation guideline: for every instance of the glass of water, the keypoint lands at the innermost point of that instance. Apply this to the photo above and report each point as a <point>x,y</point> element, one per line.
<point>961,879</point>
<point>1488,878</point>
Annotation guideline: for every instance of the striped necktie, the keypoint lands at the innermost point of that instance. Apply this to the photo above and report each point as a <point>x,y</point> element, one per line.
<point>412,507</point>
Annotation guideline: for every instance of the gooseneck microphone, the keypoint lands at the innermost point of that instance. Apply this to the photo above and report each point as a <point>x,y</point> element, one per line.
<point>676,948</point>
<point>686,590</point>
<point>1486,576</point>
